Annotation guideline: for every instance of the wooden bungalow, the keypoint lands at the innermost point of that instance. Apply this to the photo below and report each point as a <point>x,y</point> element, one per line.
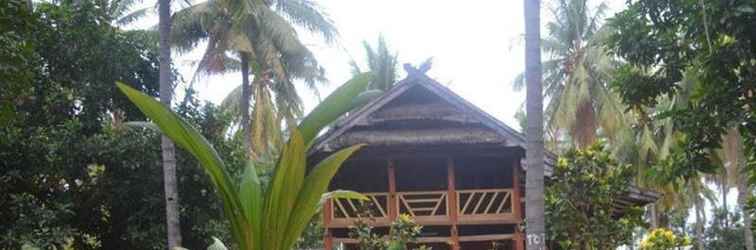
<point>435,156</point>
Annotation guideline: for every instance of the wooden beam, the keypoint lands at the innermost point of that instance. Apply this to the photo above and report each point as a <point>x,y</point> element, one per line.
<point>452,197</point>
<point>516,204</point>
<point>486,237</point>
<point>327,240</point>
<point>327,212</point>
<point>467,135</point>
<point>519,241</point>
<point>392,202</point>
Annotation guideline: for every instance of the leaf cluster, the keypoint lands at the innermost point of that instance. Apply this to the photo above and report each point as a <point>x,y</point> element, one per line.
<point>271,217</point>
<point>581,201</point>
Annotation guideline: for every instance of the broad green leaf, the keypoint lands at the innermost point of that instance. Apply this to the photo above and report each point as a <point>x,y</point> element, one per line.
<point>341,194</point>
<point>336,104</point>
<point>251,198</point>
<point>189,139</point>
<point>286,184</point>
<point>315,184</point>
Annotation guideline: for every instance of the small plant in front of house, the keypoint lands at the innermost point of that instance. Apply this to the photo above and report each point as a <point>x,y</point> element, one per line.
<point>663,239</point>
<point>402,231</point>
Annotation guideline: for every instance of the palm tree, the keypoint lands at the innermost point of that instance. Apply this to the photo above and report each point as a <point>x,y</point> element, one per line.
<point>735,164</point>
<point>169,150</point>
<point>381,62</point>
<point>534,206</point>
<point>576,75</point>
<point>261,36</point>
<point>121,13</point>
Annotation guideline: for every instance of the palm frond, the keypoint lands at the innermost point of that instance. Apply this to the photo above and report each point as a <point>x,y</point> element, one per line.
<point>309,15</point>
<point>133,16</point>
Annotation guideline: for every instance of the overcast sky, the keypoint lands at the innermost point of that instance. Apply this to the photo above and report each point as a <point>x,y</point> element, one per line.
<point>477,48</point>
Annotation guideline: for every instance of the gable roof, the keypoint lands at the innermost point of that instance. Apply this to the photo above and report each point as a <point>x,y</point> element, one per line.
<point>512,137</point>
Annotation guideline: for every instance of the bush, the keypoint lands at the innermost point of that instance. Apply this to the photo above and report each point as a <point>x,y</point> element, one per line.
<point>663,239</point>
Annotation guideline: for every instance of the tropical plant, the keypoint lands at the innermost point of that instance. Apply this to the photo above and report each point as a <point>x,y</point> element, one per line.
<point>270,217</point>
<point>581,199</point>
<point>534,193</point>
<point>663,239</point>
<point>576,76</point>
<point>723,237</point>
<point>262,35</point>
<point>381,62</point>
<point>402,231</point>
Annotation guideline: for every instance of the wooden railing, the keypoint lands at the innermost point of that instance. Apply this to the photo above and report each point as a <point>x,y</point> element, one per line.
<point>484,202</point>
<point>479,206</point>
<point>429,203</point>
<point>376,207</point>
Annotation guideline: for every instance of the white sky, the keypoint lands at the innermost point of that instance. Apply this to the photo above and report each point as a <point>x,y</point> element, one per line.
<point>476,48</point>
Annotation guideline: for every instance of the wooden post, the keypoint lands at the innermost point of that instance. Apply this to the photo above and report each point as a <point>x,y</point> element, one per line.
<point>392,202</point>
<point>328,240</point>
<point>516,204</point>
<point>519,242</point>
<point>451,198</point>
<point>327,214</point>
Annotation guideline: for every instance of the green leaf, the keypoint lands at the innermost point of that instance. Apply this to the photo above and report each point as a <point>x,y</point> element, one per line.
<point>189,139</point>
<point>341,194</point>
<point>336,104</point>
<point>282,195</point>
<point>315,184</point>
<point>251,199</point>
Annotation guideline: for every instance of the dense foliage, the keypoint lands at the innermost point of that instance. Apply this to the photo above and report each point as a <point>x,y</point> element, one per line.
<point>581,198</point>
<point>709,42</point>
<point>663,239</point>
<point>72,172</point>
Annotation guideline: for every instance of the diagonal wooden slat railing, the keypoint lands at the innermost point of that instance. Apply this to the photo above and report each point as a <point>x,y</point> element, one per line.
<point>484,202</point>
<point>423,203</point>
<point>473,206</point>
<point>376,207</point>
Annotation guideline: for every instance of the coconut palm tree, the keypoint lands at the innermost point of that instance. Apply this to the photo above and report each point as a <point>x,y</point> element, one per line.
<point>534,206</point>
<point>259,37</point>
<point>168,149</point>
<point>381,62</point>
<point>580,104</point>
<point>734,162</point>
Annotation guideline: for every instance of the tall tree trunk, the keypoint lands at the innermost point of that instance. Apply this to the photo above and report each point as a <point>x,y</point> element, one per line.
<point>534,196</point>
<point>244,103</point>
<point>723,188</point>
<point>743,194</point>
<point>173,224</point>
<point>654,218</point>
<point>700,221</point>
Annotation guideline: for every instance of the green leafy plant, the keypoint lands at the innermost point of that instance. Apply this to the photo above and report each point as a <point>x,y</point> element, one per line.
<point>402,231</point>
<point>663,239</point>
<point>270,218</point>
<point>580,201</point>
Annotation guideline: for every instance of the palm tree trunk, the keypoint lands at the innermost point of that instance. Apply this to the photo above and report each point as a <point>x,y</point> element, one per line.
<point>534,196</point>
<point>723,189</point>
<point>244,103</point>
<point>173,225</point>
<point>743,194</point>
<point>700,220</point>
